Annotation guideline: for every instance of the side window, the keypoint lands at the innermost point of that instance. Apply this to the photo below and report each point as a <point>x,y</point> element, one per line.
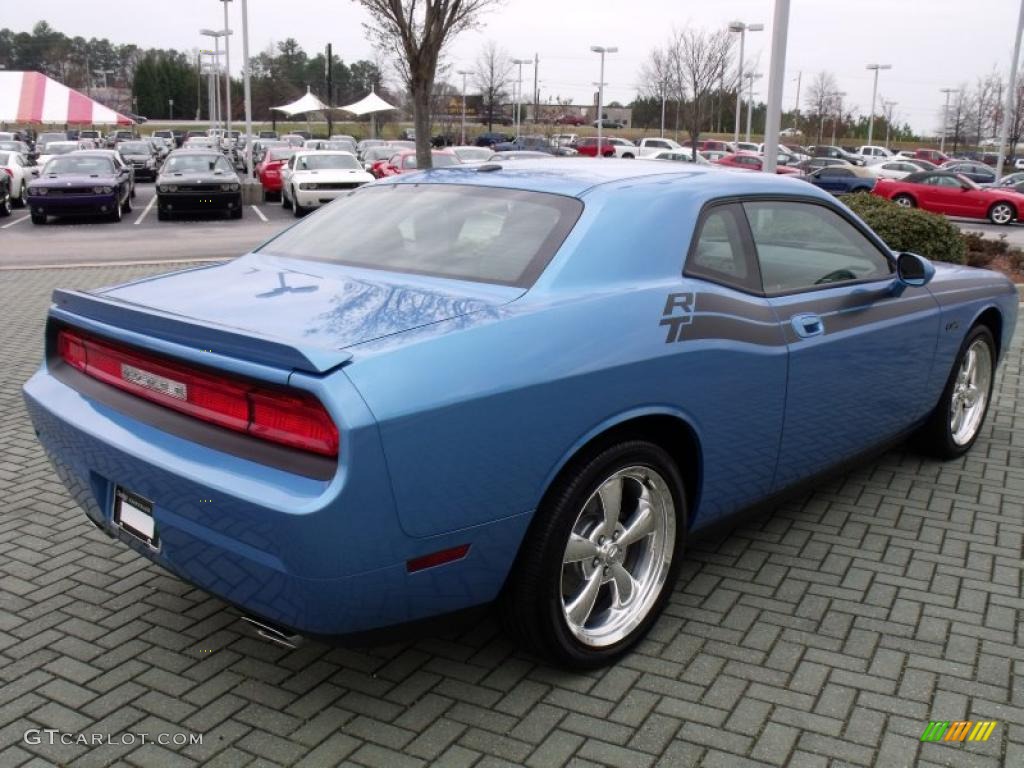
<point>718,252</point>
<point>802,246</point>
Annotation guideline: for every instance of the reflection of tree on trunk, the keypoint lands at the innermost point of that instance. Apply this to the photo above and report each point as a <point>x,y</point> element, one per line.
<point>365,310</point>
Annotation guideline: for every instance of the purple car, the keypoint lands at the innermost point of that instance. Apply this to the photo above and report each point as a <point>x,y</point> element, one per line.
<point>80,185</point>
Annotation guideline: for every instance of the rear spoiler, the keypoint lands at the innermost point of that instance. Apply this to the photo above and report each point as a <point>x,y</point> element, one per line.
<point>185,331</point>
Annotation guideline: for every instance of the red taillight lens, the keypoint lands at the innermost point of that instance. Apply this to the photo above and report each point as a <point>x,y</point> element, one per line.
<point>9,172</point>
<point>292,418</point>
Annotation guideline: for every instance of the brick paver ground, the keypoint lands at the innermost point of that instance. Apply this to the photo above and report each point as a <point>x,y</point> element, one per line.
<point>825,633</point>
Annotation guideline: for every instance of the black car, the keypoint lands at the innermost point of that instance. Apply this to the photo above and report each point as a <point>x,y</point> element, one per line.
<point>141,156</point>
<point>975,171</point>
<point>197,181</point>
<point>491,138</point>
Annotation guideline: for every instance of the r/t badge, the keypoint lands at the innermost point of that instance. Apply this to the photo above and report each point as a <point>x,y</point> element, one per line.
<point>677,314</point>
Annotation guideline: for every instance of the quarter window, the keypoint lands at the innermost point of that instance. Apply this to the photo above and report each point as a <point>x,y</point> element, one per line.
<point>802,246</point>
<point>718,251</point>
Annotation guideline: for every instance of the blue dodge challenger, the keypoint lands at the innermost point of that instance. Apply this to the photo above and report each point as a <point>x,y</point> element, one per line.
<point>527,384</point>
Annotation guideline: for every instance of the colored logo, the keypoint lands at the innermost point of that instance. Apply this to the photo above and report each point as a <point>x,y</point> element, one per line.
<point>960,730</point>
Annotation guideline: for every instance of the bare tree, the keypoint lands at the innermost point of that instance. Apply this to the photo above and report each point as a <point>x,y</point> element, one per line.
<point>821,99</point>
<point>492,77</point>
<point>697,60</point>
<point>415,32</point>
<point>984,98</point>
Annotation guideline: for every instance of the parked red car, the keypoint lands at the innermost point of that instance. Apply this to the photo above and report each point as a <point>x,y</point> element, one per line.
<point>268,171</point>
<point>752,161</point>
<point>405,162</point>
<point>932,155</point>
<point>712,145</point>
<point>952,195</point>
<point>569,120</point>
<point>587,146</point>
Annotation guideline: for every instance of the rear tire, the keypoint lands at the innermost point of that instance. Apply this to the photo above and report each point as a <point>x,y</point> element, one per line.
<point>904,201</point>
<point>564,598</point>
<point>968,392</point>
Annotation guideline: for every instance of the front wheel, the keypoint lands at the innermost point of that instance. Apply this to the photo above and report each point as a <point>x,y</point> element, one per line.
<point>38,218</point>
<point>955,424</point>
<point>601,556</point>
<point>118,213</point>
<point>5,206</point>
<point>127,207</point>
<point>1001,213</point>
<point>22,199</point>
<point>904,201</point>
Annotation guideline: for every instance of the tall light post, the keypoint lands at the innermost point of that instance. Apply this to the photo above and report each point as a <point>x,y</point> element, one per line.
<point>839,112</point>
<point>602,50</point>
<point>887,111</point>
<point>664,96</point>
<point>1004,131</point>
<point>796,103</point>
<point>742,28</point>
<point>170,109</point>
<point>464,73</point>
<point>776,80</point>
<point>227,64</point>
<point>945,117</point>
<point>247,92</point>
<point>874,95</point>
<point>211,80</point>
<point>750,77</point>
<point>519,93</point>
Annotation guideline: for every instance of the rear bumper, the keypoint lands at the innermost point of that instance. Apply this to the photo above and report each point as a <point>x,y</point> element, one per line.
<point>317,557</point>
<point>271,183</point>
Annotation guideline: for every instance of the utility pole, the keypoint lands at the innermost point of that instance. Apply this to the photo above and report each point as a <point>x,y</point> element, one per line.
<point>742,28</point>
<point>601,49</point>
<point>329,67</point>
<point>227,68</point>
<point>839,113</point>
<point>887,111</point>
<point>463,72</point>
<point>874,95</point>
<point>796,105</point>
<point>751,77</point>
<point>536,91</point>
<point>945,116</point>
<point>776,79</point>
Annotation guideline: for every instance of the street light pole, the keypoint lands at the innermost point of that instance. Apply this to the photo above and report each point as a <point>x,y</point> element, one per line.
<point>751,77</point>
<point>742,28</point>
<point>227,67</point>
<point>464,72</point>
<point>602,50</point>
<point>247,92</point>
<point>945,117</point>
<point>874,95</point>
<point>1011,88</point>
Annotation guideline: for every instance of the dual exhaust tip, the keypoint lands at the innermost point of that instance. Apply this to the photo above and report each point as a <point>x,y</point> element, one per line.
<point>276,635</point>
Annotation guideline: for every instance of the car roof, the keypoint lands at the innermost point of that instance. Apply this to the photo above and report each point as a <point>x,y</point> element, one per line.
<point>574,177</point>
<point>322,153</point>
<point>187,151</point>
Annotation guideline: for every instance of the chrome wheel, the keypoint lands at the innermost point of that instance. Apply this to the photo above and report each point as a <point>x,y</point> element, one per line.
<point>618,556</point>
<point>970,393</point>
<point>903,201</point>
<point>1001,213</point>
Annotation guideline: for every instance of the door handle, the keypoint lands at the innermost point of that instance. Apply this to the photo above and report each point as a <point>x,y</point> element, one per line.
<point>807,325</point>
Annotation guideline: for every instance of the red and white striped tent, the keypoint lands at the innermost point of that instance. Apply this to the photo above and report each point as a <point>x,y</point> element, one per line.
<point>32,98</point>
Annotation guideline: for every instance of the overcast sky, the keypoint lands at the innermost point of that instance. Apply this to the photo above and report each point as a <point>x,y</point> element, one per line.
<point>931,45</point>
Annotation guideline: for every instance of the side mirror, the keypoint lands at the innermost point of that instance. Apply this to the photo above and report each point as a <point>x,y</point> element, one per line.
<point>912,271</point>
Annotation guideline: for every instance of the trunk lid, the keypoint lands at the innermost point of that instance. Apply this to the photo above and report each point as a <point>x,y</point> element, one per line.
<point>282,312</point>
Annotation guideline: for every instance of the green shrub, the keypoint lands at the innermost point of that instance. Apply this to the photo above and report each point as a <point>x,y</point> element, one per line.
<point>910,229</point>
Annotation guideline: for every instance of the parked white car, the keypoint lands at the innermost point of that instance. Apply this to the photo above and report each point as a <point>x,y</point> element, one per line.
<point>313,178</point>
<point>873,154</point>
<point>677,155</point>
<point>564,139</point>
<point>623,147</point>
<point>894,168</point>
<point>54,148</point>
<point>16,166</point>
<point>657,145</point>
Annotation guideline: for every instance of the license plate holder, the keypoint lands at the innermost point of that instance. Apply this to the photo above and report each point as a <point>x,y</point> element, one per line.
<point>134,514</point>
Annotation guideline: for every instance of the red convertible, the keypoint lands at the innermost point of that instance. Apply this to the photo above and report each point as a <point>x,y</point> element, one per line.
<point>953,195</point>
<point>268,171</point>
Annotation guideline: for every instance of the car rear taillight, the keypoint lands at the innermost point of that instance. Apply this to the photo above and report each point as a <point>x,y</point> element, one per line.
<point>287,417</point>
<point>9,172</point>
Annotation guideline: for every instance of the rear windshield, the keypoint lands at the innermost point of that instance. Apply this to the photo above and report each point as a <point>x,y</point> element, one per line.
<point>325,162</point>
<point>444,230</point>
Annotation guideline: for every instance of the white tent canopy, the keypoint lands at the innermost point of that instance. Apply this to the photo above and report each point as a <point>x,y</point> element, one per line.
<point>368,105</point>
<point>308,103</point>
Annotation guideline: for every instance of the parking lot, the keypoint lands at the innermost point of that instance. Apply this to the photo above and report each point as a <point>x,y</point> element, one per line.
<point>139,237</point>
<point>829,631</point>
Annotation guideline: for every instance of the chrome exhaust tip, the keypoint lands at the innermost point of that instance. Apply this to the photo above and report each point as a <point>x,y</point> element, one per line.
<point>275,635</point>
